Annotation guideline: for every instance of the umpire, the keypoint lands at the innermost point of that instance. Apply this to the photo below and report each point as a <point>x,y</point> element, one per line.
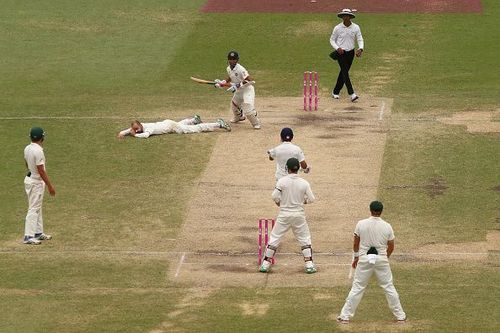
<point>343,40</point>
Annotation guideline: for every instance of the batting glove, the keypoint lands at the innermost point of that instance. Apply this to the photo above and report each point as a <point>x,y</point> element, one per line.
<point>219,83</point>
<point>307,170</point>
<point>233,88</point>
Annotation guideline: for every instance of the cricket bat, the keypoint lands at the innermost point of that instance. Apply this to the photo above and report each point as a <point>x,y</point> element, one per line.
<point>195,79</point>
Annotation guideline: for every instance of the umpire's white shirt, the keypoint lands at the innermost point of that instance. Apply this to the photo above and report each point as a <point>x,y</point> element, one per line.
<point>345,37</point>
<point>292,192</point>
<point>282,153</point>
<point>375,232</point>
<point>33,154</point>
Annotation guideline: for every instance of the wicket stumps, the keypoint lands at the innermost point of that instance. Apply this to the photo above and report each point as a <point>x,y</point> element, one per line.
<point>264,223</point>
<point>311,80</point>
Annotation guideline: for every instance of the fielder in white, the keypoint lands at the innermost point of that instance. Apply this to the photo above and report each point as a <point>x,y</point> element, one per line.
<point>373,245</point>
<point>285,151</point>
<point>243,101</point>
<point>290,194</point>
<point>186,126</point>
<point>34,184</point>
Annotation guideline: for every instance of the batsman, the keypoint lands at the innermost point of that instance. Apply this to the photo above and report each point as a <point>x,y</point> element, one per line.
<point>241,84</point>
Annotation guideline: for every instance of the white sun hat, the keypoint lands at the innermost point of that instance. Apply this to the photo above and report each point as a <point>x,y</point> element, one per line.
<point>347,11</point>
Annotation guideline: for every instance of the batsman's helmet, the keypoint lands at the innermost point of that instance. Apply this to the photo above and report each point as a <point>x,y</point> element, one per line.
<point>286,134</point>
<point>37,133</point>
<point>233,55</point>
<point>293,164</point>
<point>376,206</point>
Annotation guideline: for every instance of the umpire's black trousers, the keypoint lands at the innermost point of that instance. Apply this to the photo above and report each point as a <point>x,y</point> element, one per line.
<point>345,61</point>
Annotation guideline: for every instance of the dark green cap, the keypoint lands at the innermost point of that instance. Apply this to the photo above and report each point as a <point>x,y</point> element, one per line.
<point>376,206</point>
<point>293,164</point>
<point>36,133</point>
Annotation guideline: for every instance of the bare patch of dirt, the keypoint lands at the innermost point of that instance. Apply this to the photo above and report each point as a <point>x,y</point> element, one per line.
<point>195,298</point>
<point>65,26</point>
<point>436,186</point>
<point>163,17</point>
<point>254,309</point>
<point>475,121</point>
<point>309,28</point>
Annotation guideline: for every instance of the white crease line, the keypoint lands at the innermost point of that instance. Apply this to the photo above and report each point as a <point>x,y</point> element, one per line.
<point>381,113</point>
<point>63,117</point>
<point>180,264</point>
<point>229,254</point>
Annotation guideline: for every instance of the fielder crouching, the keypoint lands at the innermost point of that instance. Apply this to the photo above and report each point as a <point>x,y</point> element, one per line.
<point>290,194</point>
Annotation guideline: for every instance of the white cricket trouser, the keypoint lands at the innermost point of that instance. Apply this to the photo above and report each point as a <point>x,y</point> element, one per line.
<point>187,126</point>
<point>244,98</point>
<point>294,220</point>
<point>362,275</point>
<point>34,219</point>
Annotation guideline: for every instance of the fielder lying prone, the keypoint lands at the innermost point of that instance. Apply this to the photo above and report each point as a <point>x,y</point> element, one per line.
<point>185,126</point>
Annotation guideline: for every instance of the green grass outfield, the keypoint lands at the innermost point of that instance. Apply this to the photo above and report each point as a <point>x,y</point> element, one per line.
<point>119,203</point>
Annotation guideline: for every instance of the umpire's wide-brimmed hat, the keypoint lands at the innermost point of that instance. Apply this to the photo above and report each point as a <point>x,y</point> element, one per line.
<point>347,11</point>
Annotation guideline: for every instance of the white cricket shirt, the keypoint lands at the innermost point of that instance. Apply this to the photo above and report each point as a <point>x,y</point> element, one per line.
<point>345,37</point>
<point>237,74</point>
<point>375,232</point>
<point>161,127</point>
<point>33,155</point>
<point>282,153</point>
<point>292,192</point>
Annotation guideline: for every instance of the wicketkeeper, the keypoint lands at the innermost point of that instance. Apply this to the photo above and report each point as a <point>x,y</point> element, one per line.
<point>290,194</point>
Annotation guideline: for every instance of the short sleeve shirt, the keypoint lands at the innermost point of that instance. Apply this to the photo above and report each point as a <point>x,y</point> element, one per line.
<point>375,232</point>
<point>33,155</point>
<point>237,74</point>
<point>291,192</point>
<point>282,153</point>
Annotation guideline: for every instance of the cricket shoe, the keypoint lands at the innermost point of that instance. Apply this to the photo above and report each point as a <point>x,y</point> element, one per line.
<point>42,237</point>
<point>310,268</point>
<point>354,98</point>
<point>223,124</point>
<point>238,119</point>
<point>31,241</point>
<point>335,96</point>
<point>342,321</point>
<point>197,119</point>
<point>265,267</point>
